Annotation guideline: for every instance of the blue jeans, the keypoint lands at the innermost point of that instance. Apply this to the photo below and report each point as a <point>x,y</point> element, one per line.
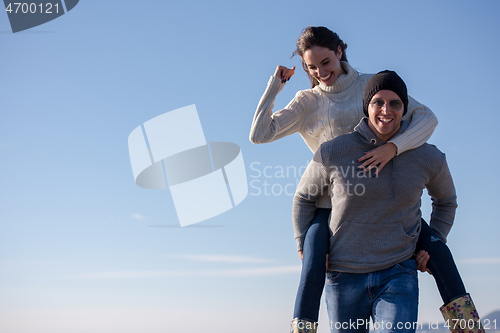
<point>388,296</point>
<point>312,278</point>
<point>316,244</point>
<point>441,264</point>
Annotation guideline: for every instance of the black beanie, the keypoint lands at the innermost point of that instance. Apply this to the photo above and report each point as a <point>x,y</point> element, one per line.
<point>385,80</point>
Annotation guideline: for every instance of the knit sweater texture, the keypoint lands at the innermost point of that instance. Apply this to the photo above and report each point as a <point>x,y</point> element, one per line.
<point>325,112</point>
<point>375,221</point>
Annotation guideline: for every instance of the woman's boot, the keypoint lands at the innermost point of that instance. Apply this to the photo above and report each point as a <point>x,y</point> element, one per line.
<point>460,316</point>
<point>303,326</point>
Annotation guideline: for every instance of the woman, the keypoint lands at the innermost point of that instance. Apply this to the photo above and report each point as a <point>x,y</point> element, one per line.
<point>332,107</point>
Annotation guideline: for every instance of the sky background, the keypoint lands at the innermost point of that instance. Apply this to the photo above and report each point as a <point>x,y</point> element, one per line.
<point>83,249</point>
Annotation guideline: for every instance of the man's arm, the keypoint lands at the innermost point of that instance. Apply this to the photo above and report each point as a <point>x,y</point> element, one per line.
<point>444,201</point>
<point>312,185</point>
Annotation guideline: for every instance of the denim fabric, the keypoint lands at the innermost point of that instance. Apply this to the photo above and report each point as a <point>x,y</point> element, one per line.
<point>389,296</point>
<point>312,277</point>
<point>441,264</point>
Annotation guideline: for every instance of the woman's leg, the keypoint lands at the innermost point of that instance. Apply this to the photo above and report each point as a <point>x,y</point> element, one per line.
<point>458,310</point>
<point>312,278</point>
<point>441,264</point>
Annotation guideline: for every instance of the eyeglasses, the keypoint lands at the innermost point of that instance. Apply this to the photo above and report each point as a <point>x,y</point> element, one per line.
<point>394,104</point>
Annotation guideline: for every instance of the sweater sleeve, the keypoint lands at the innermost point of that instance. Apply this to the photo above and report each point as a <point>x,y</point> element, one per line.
<point>268,127</point>
<point>422,125</point>
<point>444,202</point>
<point>312,185</point>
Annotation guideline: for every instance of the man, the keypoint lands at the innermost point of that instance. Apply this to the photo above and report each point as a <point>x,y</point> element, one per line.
<point>375,220</point>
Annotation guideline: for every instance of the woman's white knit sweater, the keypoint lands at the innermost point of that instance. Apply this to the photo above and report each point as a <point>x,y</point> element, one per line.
<point>326,112</point>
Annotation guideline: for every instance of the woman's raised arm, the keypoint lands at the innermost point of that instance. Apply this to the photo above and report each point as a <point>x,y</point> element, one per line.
<point>268,126</point>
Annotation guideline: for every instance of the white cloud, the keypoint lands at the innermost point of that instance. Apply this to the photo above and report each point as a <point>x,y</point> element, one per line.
<point>222,258</point>
<point>245,272</point>
<point>138,217</point>
<point>261,271</point>
<point>483,261</point>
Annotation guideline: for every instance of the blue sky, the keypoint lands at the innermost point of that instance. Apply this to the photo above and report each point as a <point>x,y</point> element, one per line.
<point>83,249</point>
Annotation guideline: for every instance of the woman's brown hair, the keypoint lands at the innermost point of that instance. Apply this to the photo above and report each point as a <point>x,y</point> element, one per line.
<point>318,36</point>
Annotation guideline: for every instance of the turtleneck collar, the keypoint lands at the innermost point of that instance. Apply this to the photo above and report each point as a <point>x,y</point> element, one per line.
<point>343,81</point>
<point>365,131</point>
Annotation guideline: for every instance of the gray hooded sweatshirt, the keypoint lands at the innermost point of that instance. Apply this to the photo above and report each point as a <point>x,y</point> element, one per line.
<point>375,221</point>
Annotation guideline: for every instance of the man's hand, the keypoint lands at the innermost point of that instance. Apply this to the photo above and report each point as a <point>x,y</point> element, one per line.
<point>422,258</point>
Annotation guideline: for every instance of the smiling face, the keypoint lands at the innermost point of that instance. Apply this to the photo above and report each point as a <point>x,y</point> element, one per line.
<point>323,64</point>
<point>384,122</point>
